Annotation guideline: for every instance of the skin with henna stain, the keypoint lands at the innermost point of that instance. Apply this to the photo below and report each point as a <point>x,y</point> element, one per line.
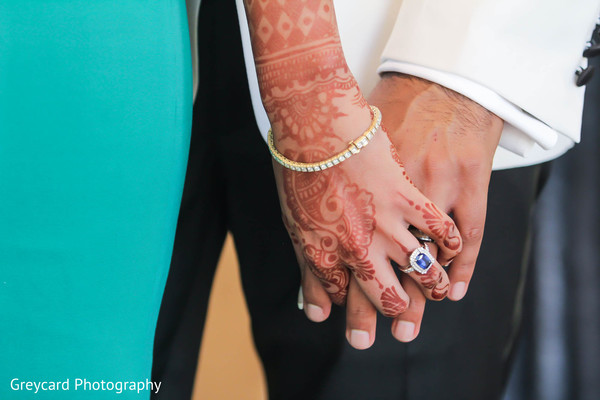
<point>315,107</point>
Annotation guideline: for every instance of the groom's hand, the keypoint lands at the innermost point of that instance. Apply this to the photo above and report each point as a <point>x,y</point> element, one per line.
<point>446,143</point>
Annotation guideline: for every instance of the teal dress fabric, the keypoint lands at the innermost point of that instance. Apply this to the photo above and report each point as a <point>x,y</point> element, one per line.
<point>95,120</point>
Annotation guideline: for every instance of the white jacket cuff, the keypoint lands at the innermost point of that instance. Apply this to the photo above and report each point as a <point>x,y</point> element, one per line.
<point>525,51</point>
<point>527,129</point>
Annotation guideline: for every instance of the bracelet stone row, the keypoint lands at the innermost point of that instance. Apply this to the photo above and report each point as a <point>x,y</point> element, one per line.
<point>353,148</point>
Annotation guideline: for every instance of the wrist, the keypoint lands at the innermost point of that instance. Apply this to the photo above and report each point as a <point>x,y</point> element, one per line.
<point>324,106</point>
<point>329,133</point>
<point>300,68</point>
<point>412,94</point>
<point>324,162</point>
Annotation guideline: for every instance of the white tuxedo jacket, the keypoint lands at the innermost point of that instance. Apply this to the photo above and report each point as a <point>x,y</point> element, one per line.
<point>517,58</point>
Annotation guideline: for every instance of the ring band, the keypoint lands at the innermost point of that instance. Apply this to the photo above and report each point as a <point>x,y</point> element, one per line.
<point>419,234</point>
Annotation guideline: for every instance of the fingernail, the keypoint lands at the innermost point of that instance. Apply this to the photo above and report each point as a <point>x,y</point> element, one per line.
<point>405,331</point>
<point>314,313</point>
<point>300,299</point>
<point>359,339</point>
<point>457,291</point>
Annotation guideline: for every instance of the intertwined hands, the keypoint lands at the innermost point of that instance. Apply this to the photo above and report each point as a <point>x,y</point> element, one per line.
<point>349,223</point>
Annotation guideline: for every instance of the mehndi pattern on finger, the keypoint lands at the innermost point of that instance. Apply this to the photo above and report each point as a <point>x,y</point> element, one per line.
<point>436,222</point>
<point>393,305</point>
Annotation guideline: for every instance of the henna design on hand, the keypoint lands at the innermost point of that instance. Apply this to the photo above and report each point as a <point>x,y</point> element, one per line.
<point>432,280</point>
<point>278,26</point>
<point>437,224</point>
<point>300,66</point>
<point>338,216</point>
<point>439,293</point>
<point>440,226</point>
<point>393,305</point>
<point>309,95</point>
<point>403,247</point>
<point>396,158</point>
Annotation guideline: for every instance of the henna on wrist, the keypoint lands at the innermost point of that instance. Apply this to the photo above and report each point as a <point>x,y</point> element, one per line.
<point>305,83</point>
<point>315,108</point>
<point>303,76</point>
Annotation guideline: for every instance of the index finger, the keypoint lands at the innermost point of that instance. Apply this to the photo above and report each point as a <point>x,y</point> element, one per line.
<point>379,282</point>
<point>426,216</point>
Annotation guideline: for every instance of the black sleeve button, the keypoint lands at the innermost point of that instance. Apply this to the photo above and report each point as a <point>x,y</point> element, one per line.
<point>584,75</point>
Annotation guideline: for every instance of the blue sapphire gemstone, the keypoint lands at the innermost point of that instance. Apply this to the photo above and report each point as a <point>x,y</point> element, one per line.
<point>423,261</point>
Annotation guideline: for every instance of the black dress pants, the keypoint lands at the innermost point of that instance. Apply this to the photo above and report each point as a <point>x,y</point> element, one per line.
<point>464,348</point>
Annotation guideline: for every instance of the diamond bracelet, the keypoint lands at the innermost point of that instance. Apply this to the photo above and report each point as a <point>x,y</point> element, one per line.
<point>354,147</point>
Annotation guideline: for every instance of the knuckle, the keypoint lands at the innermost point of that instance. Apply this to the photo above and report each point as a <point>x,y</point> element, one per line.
<point>471,166</point>
<point>392,303</point>
<point>395,310</point>
<point>451,238</point>
<point>389,313</point>
<point>339,298</point>
<point>361,311</point>
<point>311,264</point>
<point>472,234</point>
<point>311,290</point>
<point>463,270</point>
<point>450,254</point>
<point>440,292</point>
<point>418,302</point>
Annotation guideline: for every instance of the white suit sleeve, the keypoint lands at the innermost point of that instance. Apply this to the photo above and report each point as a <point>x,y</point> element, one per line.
<point>517,58</point>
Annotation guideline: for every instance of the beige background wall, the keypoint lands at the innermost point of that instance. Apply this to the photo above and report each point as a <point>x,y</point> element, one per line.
<point>229,368</point>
